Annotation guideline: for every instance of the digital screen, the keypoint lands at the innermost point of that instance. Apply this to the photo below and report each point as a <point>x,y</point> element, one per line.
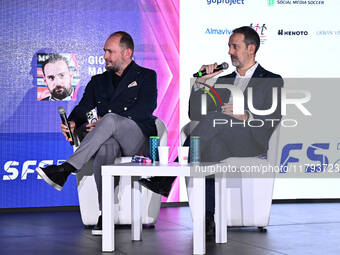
<point>29,120</point>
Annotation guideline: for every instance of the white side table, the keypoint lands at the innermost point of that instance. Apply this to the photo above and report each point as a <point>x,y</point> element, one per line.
<point>172,169</point>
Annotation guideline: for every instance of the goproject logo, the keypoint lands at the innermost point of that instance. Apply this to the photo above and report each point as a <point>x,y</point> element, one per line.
<point>225,2</point>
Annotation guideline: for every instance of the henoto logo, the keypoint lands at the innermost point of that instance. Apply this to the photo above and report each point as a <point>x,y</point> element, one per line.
<point>292,33</point>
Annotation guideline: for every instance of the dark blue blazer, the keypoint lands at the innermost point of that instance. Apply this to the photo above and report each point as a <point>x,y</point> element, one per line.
<point>262,83</point>
<point>135,98</point>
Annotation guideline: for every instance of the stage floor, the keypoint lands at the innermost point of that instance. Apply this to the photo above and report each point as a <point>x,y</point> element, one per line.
<point>294,229</point>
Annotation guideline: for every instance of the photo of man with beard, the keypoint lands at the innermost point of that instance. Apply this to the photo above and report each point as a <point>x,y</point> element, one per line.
<point>58,78</point>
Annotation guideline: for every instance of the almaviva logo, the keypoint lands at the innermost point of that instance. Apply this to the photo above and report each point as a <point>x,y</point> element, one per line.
<point>214,31</point>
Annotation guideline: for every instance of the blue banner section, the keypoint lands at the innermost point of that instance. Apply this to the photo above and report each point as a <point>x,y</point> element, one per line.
<point>20,186</point>
<point>29,128</point>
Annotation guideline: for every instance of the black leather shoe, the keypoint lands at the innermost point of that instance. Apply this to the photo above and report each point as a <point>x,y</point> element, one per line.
<point>53,175</point>
<point>98,229</point>
<point>210,228</point>
<point>159,185</point>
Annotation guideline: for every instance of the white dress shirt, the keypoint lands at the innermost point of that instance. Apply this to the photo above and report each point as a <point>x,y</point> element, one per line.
<point>241,82</point>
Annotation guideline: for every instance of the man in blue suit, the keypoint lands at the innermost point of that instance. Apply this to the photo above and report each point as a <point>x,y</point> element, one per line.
<point>219,142</point>
<point>125,97</point>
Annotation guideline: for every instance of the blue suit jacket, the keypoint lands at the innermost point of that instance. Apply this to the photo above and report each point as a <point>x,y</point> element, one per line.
<point>135,98</point>
<point>262,83</point>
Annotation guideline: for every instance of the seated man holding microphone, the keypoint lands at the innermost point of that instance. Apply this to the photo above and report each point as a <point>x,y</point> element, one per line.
<point>218,142</point>
<point>125,97</point>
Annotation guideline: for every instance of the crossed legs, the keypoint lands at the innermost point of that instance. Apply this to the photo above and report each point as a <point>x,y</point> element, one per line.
<point>113,136</point>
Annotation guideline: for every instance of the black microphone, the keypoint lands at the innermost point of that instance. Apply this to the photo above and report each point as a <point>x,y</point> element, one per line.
<point>222,66</point>
<point>61,111</point>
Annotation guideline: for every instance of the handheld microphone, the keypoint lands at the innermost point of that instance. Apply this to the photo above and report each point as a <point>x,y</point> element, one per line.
<point>222,66</point>
<point>61,111</point>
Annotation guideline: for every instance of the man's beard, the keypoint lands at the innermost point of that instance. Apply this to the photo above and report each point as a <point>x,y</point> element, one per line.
<point>60,95</point>
<point>114,69</point>
<point>235,62</point>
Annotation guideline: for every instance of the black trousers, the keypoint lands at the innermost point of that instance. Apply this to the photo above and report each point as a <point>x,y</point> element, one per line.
<point>221,141</point>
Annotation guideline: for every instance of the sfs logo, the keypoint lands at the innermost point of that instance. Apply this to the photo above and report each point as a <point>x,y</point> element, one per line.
<point>12,168</point>
<point>315,152</point>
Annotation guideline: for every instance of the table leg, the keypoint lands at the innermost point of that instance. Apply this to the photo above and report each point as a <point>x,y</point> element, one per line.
<point>221,209</point>
<point>108,238</point>
<point>136,213</point>
<point>199,215</point>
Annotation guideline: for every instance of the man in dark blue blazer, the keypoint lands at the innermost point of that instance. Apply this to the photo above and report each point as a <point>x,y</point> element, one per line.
<point>241,139</point>
<point>125,97</point>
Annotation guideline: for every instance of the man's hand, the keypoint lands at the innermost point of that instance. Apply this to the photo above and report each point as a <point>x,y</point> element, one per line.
<point>210,72</point>
<point>90,126</point>
<point>64,129</point>
<point>228,110</point>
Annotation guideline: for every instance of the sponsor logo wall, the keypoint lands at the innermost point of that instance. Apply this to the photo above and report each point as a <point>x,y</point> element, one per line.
<point>299,41</point>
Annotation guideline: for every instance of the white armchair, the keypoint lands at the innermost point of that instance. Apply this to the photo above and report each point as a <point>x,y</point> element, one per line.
<point>88,195</point>
<point>248,199</point>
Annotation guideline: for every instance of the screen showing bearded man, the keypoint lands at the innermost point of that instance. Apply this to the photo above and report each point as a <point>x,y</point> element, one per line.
<point>58,76</point>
